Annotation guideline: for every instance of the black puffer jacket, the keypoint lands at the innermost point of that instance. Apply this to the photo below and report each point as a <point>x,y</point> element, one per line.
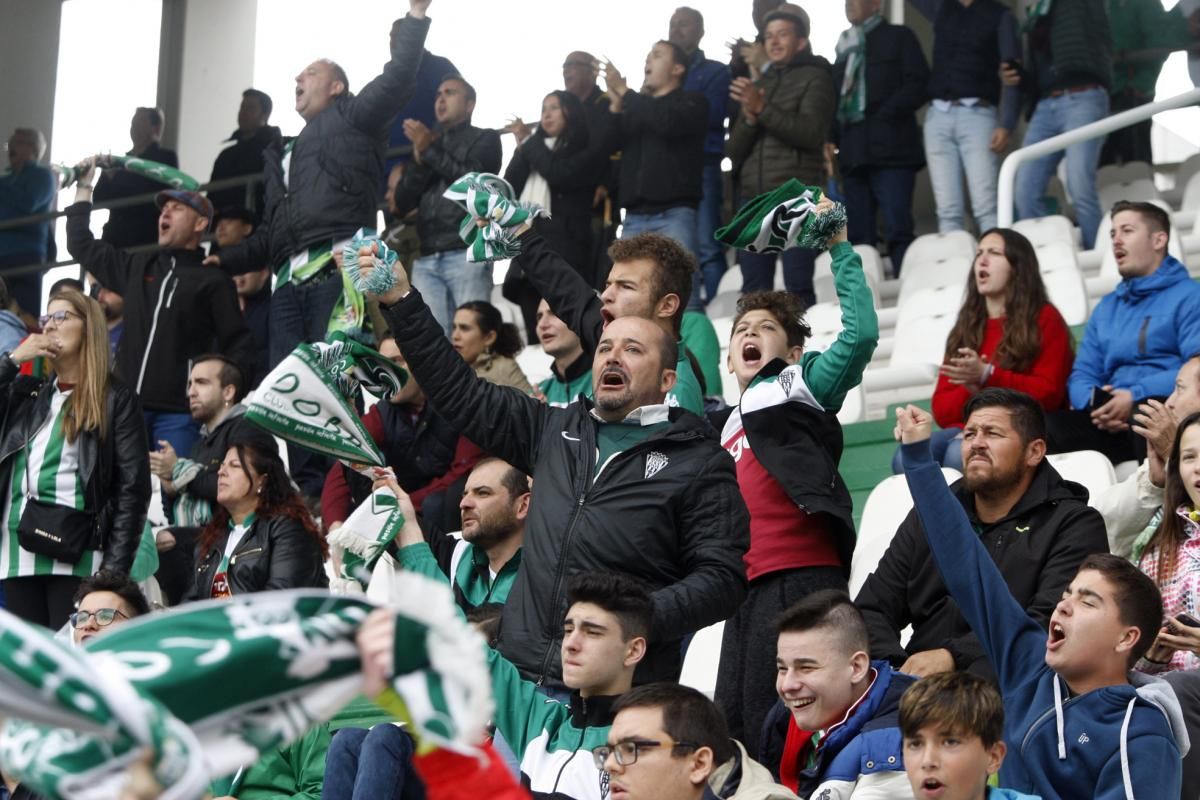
<point>666,511</point>
<point>455,152</point>
<point>1038,547</point>
<point>276,553</point>
<point>243,157</point>
<point>115,471</point>
<point>336,167</point>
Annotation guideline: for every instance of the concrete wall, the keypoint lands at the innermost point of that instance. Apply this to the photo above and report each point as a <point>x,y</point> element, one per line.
<point>29,44</point>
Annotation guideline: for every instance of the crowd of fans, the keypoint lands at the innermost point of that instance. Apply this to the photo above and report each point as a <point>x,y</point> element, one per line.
<point>590,524</point>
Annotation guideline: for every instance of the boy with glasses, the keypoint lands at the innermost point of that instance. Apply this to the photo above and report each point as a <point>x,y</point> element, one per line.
<point>104,600</point>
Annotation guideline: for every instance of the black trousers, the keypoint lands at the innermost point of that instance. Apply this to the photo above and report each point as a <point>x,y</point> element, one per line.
<point>746,675</point>
<point>1067,431</point>
<point>45,600</point>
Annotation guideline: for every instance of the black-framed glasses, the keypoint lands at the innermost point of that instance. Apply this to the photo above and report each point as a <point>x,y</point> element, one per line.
<point>626,752</point>
<point>103,616</point>
<point>58,318</point>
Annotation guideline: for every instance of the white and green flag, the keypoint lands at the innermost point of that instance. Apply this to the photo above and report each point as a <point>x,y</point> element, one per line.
<point>493,215</point>
<point>366,533</point>
<point>781,219</point>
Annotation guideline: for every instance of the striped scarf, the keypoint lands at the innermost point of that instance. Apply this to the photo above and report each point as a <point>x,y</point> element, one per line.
<point>1033,12</point>
<point>493,215</point>
<point>852,45</point>
<point>781,219</point>
<point>204,689</point>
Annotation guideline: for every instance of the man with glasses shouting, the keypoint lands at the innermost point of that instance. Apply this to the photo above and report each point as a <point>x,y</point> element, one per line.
<point>104,600</point>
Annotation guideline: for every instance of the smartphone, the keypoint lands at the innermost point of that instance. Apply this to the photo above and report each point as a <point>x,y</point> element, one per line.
<point>1187,619</point>
<point>1099,397</point>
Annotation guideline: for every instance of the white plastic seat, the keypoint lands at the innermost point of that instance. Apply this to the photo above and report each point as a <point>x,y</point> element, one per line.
<point>1142,189</point>
<point>936,260</point>
<point>723,305</point>
<point>1047,230</point>
<point>1087,467</point>
<point>923,324</point>
<point>1063,280</point>
<point>724,329</point>
<point>510,311</point>
<point>534,362</point>
<point>886,507</point>
<point>703,656</point>
<point>823,284</point>
<point>731,281</point>
<point>1124,173</point>
<point>854,407</point>
<point>1190,202</point>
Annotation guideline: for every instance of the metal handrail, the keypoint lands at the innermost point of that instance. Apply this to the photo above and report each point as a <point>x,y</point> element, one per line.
<point>1008,170</point>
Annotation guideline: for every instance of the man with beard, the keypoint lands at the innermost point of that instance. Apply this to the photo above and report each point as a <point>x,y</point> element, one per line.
<point>114,311</point>
<point>1036,526</point>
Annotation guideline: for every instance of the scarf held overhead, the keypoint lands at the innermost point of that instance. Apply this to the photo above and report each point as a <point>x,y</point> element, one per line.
<point>493,215</point>
<point>781,219</point>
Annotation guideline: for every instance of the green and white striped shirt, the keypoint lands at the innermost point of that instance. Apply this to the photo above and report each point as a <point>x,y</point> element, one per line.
<point>52,463</point>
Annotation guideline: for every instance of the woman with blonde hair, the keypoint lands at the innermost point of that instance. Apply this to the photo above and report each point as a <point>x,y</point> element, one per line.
<point>73,465</point>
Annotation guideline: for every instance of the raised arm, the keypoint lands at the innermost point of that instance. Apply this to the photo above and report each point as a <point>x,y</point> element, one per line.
<point>484,155</point>
<point>565,290</point>
<point>110,265</point>
<point>373,108</point>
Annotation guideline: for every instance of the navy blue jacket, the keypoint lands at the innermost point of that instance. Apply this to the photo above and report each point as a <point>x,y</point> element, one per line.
<point>711,79</point>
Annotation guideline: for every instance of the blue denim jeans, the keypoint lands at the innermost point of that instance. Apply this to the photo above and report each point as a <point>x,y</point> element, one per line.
<point>447,280</point>
<point>678,223</point>
<point>371,765</point>
<point>886,189</point>
<point>709,252</point>
<point>179,429</point>
<point>758,272</point>
<point>957,141</point>
<point>1055,115</point>
<point>300,313</point>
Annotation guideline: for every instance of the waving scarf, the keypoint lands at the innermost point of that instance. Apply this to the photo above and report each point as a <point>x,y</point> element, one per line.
<point>852,44</point>
<point>490,199</point>
<point>781,219</point>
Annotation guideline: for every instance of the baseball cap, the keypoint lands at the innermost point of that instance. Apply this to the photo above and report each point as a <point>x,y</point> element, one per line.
<point>793,12</point>
<point>193,200</point>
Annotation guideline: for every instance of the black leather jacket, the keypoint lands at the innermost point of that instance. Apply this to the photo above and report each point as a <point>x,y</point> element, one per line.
<point>115,470</point>
<point>276,553</point>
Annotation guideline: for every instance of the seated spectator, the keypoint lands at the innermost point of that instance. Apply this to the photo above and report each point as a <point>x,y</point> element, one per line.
<point>231,226</point>
<point>374,764</point>
<point>129,226</point>
<point>571,372</point>
<point>243,153</point>
<point>837,708</point>
<point>556,167</point>
<point>786,445</point>
<point>114,312</point>
<point>103,600</point>
<point>261,536</point>
<point>426,453</point>
<point>489,344</point>
<point>780,134</point>
<point>670,741</point>
<point>442,272</point>
<point>482,564</point>
<point>953,728</point>
<point>660,132</point>
<point>1078,727</point>
<point>1035,526</point>
<point>1008,335</point>
<point>26,188</point>
<point>12,329</point>
<point>80,431</point>
<point>1136,339</point>
<point>215,391</point>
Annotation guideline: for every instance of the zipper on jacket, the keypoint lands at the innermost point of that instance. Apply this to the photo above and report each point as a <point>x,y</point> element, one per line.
<point>154,325</point>
<point>1142,332</point>
<point>1046,715</point>
<point>233,558</point>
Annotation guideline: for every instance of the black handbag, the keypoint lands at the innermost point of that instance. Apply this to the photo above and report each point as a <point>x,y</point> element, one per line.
<point>49,529</point>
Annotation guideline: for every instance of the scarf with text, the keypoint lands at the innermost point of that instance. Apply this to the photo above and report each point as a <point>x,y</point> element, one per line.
<point>781,219</point>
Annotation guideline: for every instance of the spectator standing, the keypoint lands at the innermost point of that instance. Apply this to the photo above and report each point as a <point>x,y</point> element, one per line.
<point>780,134</point>
<point>26,188</point>
<point>711,79</point>
<point>432,70</point>
<point>12,329</point>
<point>174,308</point>
<point>244,154</point>
<point>129,226</point>
<point>1135,341</point>
<point>748,59</point>
<point>232,225</point>
<point>443,272</point>
<point>1067,75</point>
<point>81,432</point>
<point>971,116</point>
<point>881,76</point>
<point>660,131</point>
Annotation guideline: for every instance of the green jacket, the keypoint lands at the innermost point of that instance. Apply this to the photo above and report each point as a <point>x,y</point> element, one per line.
<point>700,337</point>
<point>552,740</point>
<point>467,565</point>
<point>1143,25</point>
<point>562,390</point>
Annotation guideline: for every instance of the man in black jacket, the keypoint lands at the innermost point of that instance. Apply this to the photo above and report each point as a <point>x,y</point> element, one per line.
<point>443,272</point>
<point>174,308</point>
<point>136,224</point>
<point>624,485</point>
<point>881,78</point>
<point>1036,526</point>
<point>244,153</point>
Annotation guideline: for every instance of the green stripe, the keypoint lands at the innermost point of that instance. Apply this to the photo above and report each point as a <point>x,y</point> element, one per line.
<point>16,506</point>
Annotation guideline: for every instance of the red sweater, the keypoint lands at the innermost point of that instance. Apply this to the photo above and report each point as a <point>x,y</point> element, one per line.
<point>1046,380</point>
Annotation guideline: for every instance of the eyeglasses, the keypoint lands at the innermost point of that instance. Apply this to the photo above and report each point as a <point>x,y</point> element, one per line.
<point>103,616</point>
<point>58,318</point>
<point>626,752</point>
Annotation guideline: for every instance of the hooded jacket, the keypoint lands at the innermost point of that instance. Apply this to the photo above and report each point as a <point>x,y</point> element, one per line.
<point>336,165</point>
<point>1139,335</point>
<point>1114,742</point>
<point>1037,547</point>
<point>742,778</point>
<point>666,510</point>
<point>861,751</point>
<point>175,310</point>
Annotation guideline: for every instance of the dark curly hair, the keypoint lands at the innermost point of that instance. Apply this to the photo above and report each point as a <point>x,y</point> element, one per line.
<point>673,267</point>
<point>508,339</point>
<point>786,307</point>
<point>278,497</point>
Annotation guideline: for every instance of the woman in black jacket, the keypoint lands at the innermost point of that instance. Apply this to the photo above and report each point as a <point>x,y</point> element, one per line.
<point>555,168</point>
<point>261,536</point>
<point>73,467</point>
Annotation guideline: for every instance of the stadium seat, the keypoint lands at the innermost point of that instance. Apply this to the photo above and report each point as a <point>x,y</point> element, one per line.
<point>1189,203</point>
<point>1183,176</point>
<point>854,407</point>
<point>823,284</point>
<point>1063,280</point>
<point>702,658</point>
<point>1137,189</point>
<point>887,506</point>
<point>936,260</point>
<point>1124,173</point>
<point>723,305</point>
<point>1051,229</point>
<point>534,362</point>
<point>924,322</point>
<point>731,281</point>
<point>1089,468</point>
<point>724,329</point>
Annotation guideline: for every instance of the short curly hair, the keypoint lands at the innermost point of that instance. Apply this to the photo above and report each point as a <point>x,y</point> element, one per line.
<point>674,267</point>
<point>783,306</point>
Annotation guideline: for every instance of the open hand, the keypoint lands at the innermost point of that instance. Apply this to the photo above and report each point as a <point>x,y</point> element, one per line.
<point>162,461</point>
<point>1113,416</point>
<point>965,369</point>
<point>419,134</point>
<point>752,98</point>
<point>519,129</point>
<point>913,424</point>
<point>614,81</point>
<point>1156,423</point>
<point>35,345</point>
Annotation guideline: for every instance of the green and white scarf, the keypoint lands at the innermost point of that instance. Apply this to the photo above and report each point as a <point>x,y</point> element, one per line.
<point>490,199</point>
<point>209,687</point>
<point>381,279</point>
<point>304,399</point>
<point>366,533</point>
<point>852,101</point>
<point>781,219</point>
<point>168,175</point>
